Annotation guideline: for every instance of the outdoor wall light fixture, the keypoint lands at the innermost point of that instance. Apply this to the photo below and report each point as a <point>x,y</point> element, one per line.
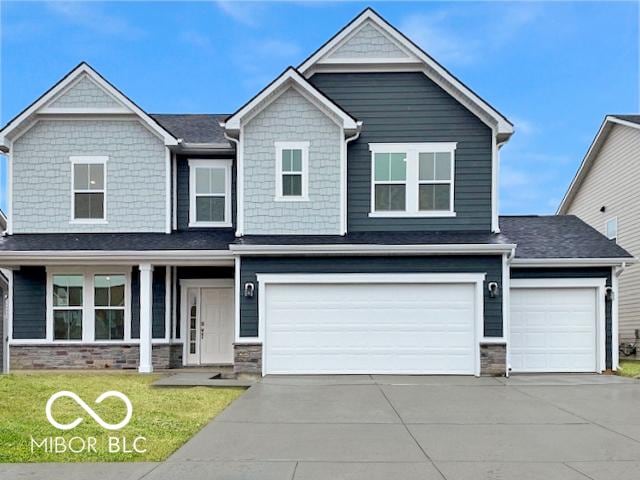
<point>493,289</point>
<point>249,288</point>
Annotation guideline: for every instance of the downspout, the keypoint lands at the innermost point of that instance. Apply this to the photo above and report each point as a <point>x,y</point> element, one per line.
<point>343,186</point>
<point>239,179</point>
<point>506,307</point>
<point>615,352</point>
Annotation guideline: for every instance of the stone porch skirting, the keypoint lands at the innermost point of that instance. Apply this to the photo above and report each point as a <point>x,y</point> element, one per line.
<point>117,357</point>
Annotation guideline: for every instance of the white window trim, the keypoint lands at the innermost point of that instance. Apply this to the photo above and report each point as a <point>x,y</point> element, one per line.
<point>412,150</point>
<point>210,163</point>
<point>88,307</point>
<point>606,228</point>
<point>93,159</point>
<point>304,147</point>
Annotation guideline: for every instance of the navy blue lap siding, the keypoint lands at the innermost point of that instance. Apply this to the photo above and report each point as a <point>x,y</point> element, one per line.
<point>593,272</point>
<point>491,265</point>
<point>408,107</point>
<point>30,303</point>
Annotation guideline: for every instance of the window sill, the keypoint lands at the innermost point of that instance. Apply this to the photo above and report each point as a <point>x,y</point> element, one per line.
<point>291,199</point>
<point>435,214</point>
<point>89,221</point>
<point>210,225</point>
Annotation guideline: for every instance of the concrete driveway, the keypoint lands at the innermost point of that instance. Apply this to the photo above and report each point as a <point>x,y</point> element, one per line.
<point>380,427</point>
<point>456,428</point>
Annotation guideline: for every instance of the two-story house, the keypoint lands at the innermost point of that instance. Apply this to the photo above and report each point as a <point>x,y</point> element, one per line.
<point>604,193</point>
<point>344,220</point>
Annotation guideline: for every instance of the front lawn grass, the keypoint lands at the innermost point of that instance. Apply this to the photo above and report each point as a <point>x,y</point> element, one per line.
<point>166,417</point>
<point>629,368</point>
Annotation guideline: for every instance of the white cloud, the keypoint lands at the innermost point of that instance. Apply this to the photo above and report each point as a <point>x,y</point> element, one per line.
<point>247,13</point>
<point>91,15</point>
<point>439,41</point>
<point>196,39</point>
<point>463,35</point>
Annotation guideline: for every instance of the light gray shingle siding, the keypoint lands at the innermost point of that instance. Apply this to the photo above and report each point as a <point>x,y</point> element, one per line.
<point>135,176</point>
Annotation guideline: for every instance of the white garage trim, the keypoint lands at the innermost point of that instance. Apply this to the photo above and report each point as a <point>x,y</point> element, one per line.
<point>599,284</point>
<point>373,278</point>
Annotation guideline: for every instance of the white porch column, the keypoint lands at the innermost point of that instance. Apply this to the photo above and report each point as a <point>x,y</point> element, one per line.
<point>146,299</point>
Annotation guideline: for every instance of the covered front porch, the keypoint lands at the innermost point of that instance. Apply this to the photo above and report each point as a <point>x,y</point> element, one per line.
<point>144,310</point>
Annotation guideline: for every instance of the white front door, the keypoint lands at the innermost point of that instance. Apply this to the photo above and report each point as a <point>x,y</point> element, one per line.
<point>210,324</point>
<point>553,329</point>
<point>347,328</point>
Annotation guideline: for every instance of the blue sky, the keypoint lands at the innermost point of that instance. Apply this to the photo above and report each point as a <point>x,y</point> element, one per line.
<point>555,69</point>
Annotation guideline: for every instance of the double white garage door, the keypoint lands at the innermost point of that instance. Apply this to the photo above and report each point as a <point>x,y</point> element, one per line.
<point>351,328</point>
<point>346,327</point>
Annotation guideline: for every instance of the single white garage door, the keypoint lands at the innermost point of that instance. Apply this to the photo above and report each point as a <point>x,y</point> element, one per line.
<point>553,329</point>
<point>350,328</point>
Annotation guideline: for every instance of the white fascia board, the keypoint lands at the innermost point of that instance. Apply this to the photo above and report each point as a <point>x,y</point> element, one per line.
<point>66,82</point>
<point>571,262</point>
<point>290,75</point>
<point>443,77</point>
<point>354,249</point>
<point>589,158</point>
<point>84,257</point>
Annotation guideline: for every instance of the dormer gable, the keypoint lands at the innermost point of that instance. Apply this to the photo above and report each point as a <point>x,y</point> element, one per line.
<point>81,92</point>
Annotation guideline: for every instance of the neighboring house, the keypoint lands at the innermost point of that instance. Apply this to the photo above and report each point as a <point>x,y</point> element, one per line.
<point>344,220</point>
<point>605,193</point>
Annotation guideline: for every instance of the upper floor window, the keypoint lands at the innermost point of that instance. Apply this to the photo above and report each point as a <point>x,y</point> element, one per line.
<point>210,193</point>
<point>412,179</point>
<point>292,171</point>
<point>611,228</point>
<point>88,189</point>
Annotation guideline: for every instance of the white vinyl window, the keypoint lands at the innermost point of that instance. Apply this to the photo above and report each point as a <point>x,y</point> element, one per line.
<point>89,304</point>
<point>89,191</point>
<point>611,228</point>
<point>67,307</point>
<point>412,179</point>
<point>109,306</point>
<point>210,193</point>
<point>292,171</point>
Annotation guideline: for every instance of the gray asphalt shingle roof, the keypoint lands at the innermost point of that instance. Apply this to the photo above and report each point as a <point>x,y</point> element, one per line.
<point>191,240</point>
<point>628,118</point>
<point>563,236</point>
<point>194,128</point>
<point>557,236</point>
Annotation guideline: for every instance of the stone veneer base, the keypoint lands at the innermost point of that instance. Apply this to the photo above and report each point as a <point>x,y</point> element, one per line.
<point>116,357</point>
<point>493,359</point>
<point>247,359</point>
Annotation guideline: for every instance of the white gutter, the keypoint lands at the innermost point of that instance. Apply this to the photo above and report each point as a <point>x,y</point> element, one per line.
<point>83,257</point>
<point>368,249</point>
<point>571,262</point>
<point>343,181</point>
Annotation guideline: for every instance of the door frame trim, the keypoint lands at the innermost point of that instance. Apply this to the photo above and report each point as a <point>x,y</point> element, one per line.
<point>198,283</point>
<point>371,278</point>
<point>598,285</point>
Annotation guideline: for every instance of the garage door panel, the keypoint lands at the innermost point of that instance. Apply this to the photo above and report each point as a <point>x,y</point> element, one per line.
<point>553,329</point>
<point>372,328</point>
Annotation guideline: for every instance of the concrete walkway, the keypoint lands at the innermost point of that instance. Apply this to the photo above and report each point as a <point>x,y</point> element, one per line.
<point>379,427</point>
